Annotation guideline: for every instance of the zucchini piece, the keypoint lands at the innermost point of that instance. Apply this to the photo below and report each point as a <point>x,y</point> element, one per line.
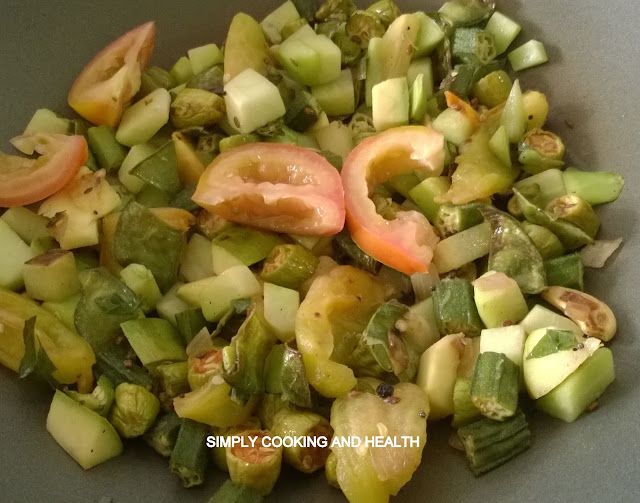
<point>489,444</point>
<point>15,253</point>
<point>204,57</point>
<point>499,299</point>
<point>273,24</point>
<point>426,192</point>
<point>336,97</point>
<point>248,245</point>
<point>504,30</point>
<point>461,248</point>
<point>170,305</point>
<point>494,386</point>
<point>86,436</point>
<point>25,223</point>
<point>197,260</point>
<point>154,340</point>
<point>430,35</point>
<point>103,143</point>
<point>51,276</point>
<point>182,71</point>
<point>454,125</point>
<point>235,283</point>
<point>581,389</point>
<point>141,282</point>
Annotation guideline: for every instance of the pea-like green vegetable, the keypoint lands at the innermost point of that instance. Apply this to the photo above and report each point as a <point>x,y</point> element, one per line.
<point>134,410</point>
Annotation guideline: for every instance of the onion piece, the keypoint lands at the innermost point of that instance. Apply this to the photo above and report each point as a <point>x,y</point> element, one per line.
<point>596,255</point>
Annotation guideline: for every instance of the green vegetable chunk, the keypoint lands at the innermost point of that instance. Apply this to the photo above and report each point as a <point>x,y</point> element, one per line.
<point>489,444</point>
<point>552,342</point>
<point>594,187</point>
<point>455,308</point>
<point>100,400</point>
<point>248,245</point>
<point>565,271</point>
<point>102,142</point>
<point>546,241</point>
<point>189,458</point>
<point>285,375</point>
<point>154,340</point>
<point>142,238</point>
<point>160,170</point>
<point>163,434</point>
<point>494,387</point>
<point>513,252</point>
<point>230,492</point>
<point>464,410</point>
<point>289,265</point>
<point>134,410</point>
<point>260,472</point>
<point>380,471</point>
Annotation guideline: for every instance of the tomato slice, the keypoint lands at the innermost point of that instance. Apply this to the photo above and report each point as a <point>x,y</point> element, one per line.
<point>25,181</point>
<point>282,188</point>
<point>112,78</point>
<point>406,243</point>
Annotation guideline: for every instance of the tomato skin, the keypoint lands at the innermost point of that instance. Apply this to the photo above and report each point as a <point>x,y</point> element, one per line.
<point>24,181</point>
<point>406,243</point>
<point>112,77</point>
<point>282,188</point>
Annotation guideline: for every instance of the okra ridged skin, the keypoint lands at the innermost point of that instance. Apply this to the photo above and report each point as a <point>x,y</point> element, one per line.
<point>289,265</point>
<point>495,385</point>
<point>163,434</point>
<point>455,308</point>
<point>489,444</point>
<point>567,271</point>
<point>189,458</point>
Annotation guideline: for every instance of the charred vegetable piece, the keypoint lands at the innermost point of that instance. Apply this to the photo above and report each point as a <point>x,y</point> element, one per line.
<point>489,444</point>
<point>513,252</point>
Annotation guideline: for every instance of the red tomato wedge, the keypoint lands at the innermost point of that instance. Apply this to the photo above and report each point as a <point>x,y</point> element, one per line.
<point>406,243</point>
<point>25,181</point>
<point>112,78</point>
<point>282,188</point>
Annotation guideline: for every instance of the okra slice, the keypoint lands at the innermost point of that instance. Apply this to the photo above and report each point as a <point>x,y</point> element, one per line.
<point>289,265</point>
<point>495,384</point>
<point>565,271</point>
<point>489,444</point>
<point>464,410</point>
<point>258,466</point>
<point>455,308</point>
<point>189,457</point>
<point>163,434</point>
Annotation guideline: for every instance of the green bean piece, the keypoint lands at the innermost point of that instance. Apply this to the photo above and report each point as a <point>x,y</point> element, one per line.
<point>455,308</point>
<point>289,265</point>
<point>285,375</point>
<point>189,457</point>
<point>289,423</point>
<point>489,444</point>
<point>594,187</point>
<point>108,152</point>
<point>244,359</point>
<point>230,492</point>
<point>513,253</point>
<point>452,219</point>
<point>570,235</point>
<point>163,434</point>
<point>349,251</point>
<point>208,80</point>
<point>154,77</point>
<point>567,271</point>
<point>576,210</point>
<point>386,10</point>
<point>546,241</point>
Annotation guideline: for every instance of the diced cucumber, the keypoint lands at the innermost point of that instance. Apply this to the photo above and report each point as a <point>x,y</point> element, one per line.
<point>543,374</point>
<point>145,118</point>
<point>419,98</point>
<point>182,72</point>
<point>51,276</point>
<point>504,30</point>
<point>336,97</point>
<point>499,299</point>
<point>528,55</point>
<point>141,281</point>
<point>513,116</point>
<point>280,308</point>
<point>390,102</point>
<point>136,155</point>
<point>191,293</point>
<point>223,259</point>
<point>312,60</point>
<point>425,67</point>
<point>499,145</point>
<point>429,35</point>
<point>248,245</point>
<point>437,374</point>
<point>204,57</point>
<point>273,24</point>
<point>46,121</point>
<point>197,262</point>
<point>375,68</point>
<point>25,223</point>
<point>65,311</point>
<point>541,317</point>
<point>86,436</point>
<point>551,183</point>
<point>425,193</point>
<point>578,391</point>
<point>154,340</point>
<point>507,340</point>
<point>336,138</point>
<point>170,305</point>
<point>462,248</point>
<point>454,125</point>
<point>252,101</point>
<point>234,283</point>
<point>15,253</point>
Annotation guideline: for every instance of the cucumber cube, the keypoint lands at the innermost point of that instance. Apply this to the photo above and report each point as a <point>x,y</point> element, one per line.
<point>309,58</point>
<point>154,340</point>
<point>504,30</point>
<point>429,35</point>
<point>141,281</point>
<point>337,97</point>
<point>182,71</point>
<point>28,225</point>
<point>46,121</point>
<point>235,283</point>
<point>528,55</point>
<point>280,307</point>
<point>51,276</point>
<point>272,24</point>
<point>425,193</point>
<point>454,125</point>
<point>223,259</point>
<point>196,260</point>
<point>145,118</point>
<point>574,395</point>
<point>541,317</point>
<point>425,67</point>
<point>136,155</point>
<point>252,101</point>
<point>390,103</point>
<point>419,97</point>
<point>330,58</point>
<point>15,253</point>
<point>204,57</point>
<point>506,340</point>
